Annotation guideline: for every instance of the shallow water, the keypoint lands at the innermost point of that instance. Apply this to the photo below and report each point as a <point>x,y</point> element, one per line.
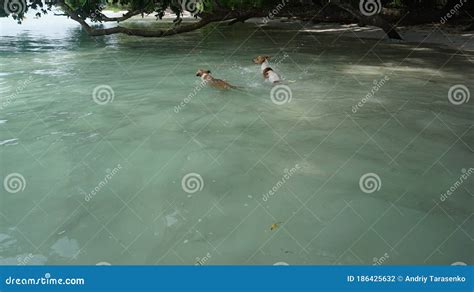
<point>103,182</point>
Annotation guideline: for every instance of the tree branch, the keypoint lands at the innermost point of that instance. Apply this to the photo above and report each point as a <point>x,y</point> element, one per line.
<point>142,32</point>
<point>125,16</point>
<point>376,20</point>
<point>242,18</point>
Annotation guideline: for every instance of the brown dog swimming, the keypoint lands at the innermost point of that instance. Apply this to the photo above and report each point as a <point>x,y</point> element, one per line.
<point>216,83</point>
<point>267,71</point>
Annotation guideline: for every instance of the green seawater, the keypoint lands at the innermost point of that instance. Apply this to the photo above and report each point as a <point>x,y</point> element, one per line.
<point>101,175</point>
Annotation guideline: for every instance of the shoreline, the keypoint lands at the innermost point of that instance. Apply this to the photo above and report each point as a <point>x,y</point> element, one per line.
<point>451,37</point>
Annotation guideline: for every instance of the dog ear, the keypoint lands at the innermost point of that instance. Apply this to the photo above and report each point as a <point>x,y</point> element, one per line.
<point>208,71</point>
<point>267,57</point>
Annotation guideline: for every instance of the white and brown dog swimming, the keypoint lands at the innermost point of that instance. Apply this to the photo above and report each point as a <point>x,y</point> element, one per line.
<point>211,81</point>
<point>267,71</point>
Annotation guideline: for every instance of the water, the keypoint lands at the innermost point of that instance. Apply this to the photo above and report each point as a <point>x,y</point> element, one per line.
<point>103,183</point>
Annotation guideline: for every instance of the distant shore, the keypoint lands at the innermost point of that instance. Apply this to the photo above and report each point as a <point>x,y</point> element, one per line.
<point>449,36</point>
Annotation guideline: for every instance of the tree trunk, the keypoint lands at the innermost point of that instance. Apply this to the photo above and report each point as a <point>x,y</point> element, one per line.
<point>376,20</point>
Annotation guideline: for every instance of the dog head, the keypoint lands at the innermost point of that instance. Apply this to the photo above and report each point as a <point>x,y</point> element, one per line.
<point>201,72</point>
<point>261,59</point>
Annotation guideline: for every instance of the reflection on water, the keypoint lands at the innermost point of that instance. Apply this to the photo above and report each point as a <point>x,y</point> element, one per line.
<point>239,146</point>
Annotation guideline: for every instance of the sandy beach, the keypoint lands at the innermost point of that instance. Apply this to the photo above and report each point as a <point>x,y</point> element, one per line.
<point>452,37</point>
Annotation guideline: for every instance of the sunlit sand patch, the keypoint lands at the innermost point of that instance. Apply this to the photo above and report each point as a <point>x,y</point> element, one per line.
<point>339,28</point>
<point>65,247</point>
<point>172,219</point>
<point>310,168</point>
<point>378,70</point>
<point>421,49</point>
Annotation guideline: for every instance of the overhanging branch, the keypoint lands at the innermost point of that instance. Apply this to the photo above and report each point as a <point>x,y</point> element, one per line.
<point>142,32</point>
<point>125,16</point>
<point>376,20</point>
